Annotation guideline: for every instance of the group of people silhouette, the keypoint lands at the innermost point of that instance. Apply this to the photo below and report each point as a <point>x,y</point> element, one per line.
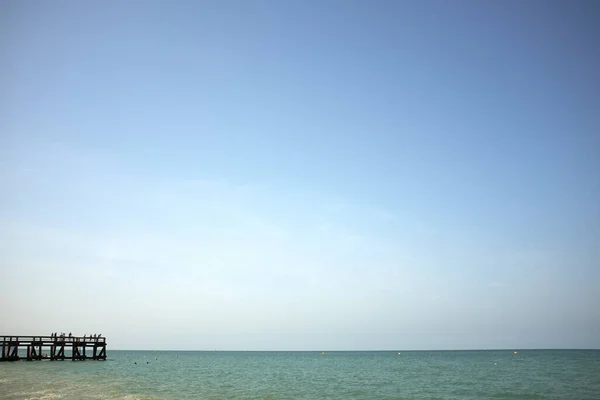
<point>63,336</point>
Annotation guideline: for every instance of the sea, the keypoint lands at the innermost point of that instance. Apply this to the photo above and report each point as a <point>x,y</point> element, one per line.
<point>493,374</point>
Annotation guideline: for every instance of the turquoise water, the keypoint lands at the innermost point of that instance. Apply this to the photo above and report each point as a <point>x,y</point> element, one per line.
<point>532,374</point>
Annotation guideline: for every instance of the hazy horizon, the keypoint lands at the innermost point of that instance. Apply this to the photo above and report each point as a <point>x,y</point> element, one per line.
<point>301,174</point>
<point>511,349</point>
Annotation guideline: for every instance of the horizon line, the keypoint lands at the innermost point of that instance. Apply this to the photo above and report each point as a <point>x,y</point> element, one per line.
<point>363,351</point>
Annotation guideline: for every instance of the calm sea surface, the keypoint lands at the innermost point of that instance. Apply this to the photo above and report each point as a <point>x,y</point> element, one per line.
<point>532,374</point>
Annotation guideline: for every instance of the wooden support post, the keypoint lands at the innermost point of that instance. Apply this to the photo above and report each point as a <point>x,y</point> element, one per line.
<point>75,353</point>
<point>102,355</point>
<point>61,351</point>
<point>15,349</point>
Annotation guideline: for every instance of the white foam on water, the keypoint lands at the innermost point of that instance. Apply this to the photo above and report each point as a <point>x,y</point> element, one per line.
<point>39,394</point>
<point>52,396</point>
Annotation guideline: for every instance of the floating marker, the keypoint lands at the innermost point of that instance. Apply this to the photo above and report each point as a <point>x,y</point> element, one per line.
<point>516,352</point>
<point>399,353</point>
<point>322,353</point>
<point>156,358</point>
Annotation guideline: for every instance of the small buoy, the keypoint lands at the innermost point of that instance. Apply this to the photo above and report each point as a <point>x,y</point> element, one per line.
<point>399,353</point>
<point>156,358</point>
<point>322,353</point>
<point>516,352</point>
<point>176,356</point>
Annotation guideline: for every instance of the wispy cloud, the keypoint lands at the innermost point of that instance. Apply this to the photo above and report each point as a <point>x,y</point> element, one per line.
<point>212,250</point>
<point>132,224</point>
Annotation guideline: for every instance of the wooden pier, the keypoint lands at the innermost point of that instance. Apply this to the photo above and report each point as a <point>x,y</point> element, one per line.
<point>53,348</point>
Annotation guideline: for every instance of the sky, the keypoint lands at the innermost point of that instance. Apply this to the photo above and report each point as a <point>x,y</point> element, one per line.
<point>301,175</point>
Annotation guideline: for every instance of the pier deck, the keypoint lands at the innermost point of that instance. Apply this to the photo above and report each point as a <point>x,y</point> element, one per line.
<point>52,348</point>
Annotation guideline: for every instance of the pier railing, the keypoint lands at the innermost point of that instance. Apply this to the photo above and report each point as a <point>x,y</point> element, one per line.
<point>52,347</point>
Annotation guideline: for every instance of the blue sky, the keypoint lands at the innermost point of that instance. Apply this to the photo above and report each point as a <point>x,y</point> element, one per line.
<point>299,175</point>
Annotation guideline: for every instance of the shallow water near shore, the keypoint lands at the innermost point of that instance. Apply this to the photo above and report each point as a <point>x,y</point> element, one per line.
<point>531,374</point>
